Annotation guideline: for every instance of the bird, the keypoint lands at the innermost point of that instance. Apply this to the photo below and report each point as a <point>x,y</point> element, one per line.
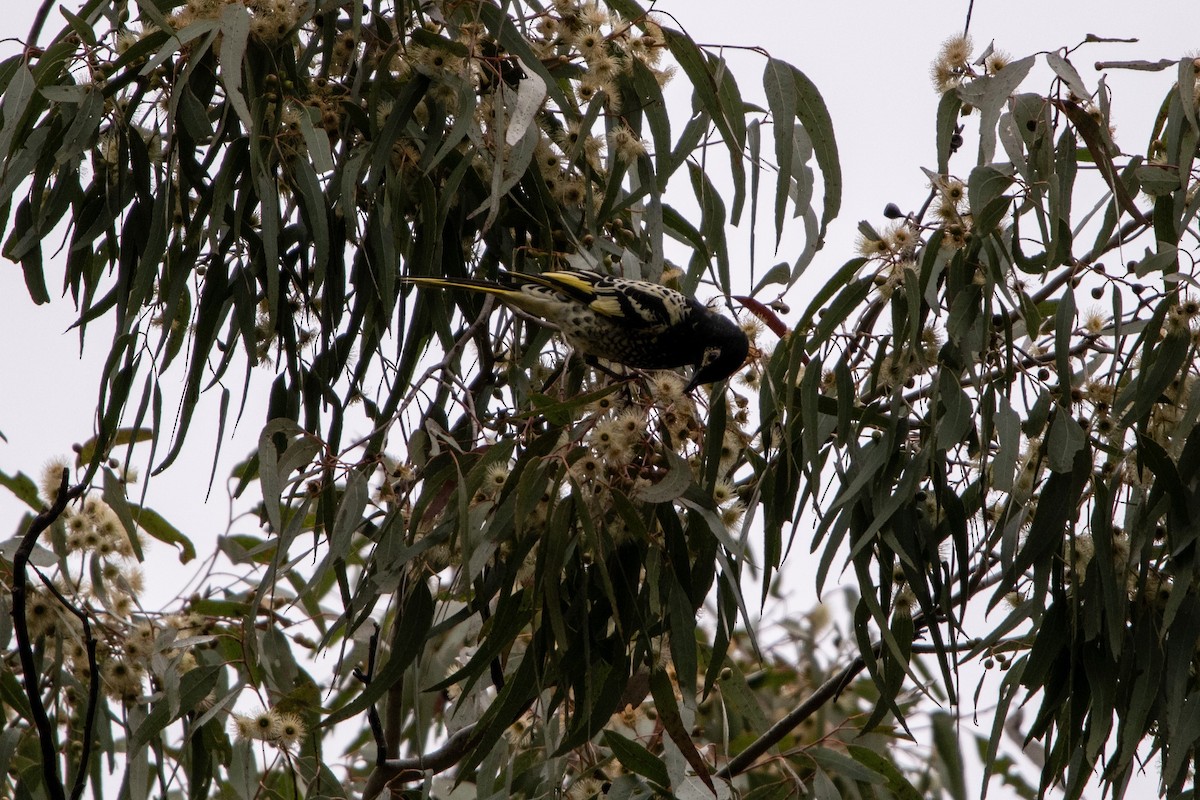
<point>635,323</point>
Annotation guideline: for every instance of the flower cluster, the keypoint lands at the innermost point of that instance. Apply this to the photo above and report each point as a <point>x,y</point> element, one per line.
<point>94,530</point>
<point>282,729</point>
<point>951,212</point>
<point>953,65</point>
<point>129,647</point>
<point>271,21</point>
<point>890,254</point>
<point>628,440</point>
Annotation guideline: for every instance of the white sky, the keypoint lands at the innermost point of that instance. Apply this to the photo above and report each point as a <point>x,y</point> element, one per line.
<point>869,59</point>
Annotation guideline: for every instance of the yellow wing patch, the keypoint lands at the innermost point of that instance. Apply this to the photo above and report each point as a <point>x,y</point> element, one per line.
<point>608,306</point>
<point>567,280</point>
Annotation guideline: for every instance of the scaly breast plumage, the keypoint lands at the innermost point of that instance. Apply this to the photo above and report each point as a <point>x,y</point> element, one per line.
<point>605,337</point>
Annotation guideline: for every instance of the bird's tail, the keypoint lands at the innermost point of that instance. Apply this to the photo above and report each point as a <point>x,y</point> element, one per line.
<point>521,289</point>
<point>470,284</point>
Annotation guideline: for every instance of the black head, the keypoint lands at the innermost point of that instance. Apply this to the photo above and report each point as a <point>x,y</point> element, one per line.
<point>723,348</point>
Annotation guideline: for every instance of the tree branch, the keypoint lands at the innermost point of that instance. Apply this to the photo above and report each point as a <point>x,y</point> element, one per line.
<point>89,719</point>
<point>824,693</point>
<point>35,30</point>
<point>827,691</point>
<point>29,671</point>
<point>365,677</point>
<point>408,769</point>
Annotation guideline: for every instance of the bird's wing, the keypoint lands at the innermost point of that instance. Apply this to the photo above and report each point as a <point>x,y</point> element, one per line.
<point>644,304</point>
<point>640,304</point>
<point>577,285</point>
<point>648,307</point>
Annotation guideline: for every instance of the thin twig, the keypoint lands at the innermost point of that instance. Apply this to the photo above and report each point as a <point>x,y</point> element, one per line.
<point>1129,231</point>
<point>35,30</point>
<point>824,693</point>
<point>365,677</point>
<point>439,760</point>
<point>832,687</point>
<point>89,719</point>
<point>1143,66</point>
<point>29,671</point>
<point>393,724</point>
<point>406,770</point>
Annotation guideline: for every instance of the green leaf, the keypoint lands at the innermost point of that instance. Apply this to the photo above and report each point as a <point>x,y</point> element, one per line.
<point>668,713</point>
<point>781,98</point>
<point>194,686</point>
<point>682,616</point>
<point>1066,438</point>
<point>83,128</point>
<point>947,127</point>
<point>1165,261</point>
<point>235,30</point>
<point>271,469</point>
<point>122,436</point>
<point>823,787</point>
<point>1070,76</point>
<point>158,528</point>
<point>408,640</point>
<point>348,519</point>
<point>1158,180</point>
<point>956,413</point>
<point>563,412</point>
<point>649,93</point>
<point>849,768</point>
<point>1058,502</point>
<point>740,698</point>
<point>313,206</point>
<point>946,744</point>
<point>316,144</point>
<point>712,224</point>
<point>1064,330</point>
<point>636,758</point>
<point>814,116</point>
<point>990,95</point>
<point>985,193</point>
<point>464,124</point>
<point>13,106</point>
<point>510,703</point>
<point>427,38</point>
<point>23,487</point>
<point>672,485</point>
<point>696,67</point>
<point>897,784</point>
<point>1164,363</point>
<point>838,312</point>
<point>114,495</point>
<point>82,29</point>
<point>792,96</point>
<point>1008,433</point>
<point>1098,145</point>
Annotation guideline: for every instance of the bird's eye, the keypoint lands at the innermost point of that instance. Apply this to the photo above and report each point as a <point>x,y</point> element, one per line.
<point>711,354</point>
